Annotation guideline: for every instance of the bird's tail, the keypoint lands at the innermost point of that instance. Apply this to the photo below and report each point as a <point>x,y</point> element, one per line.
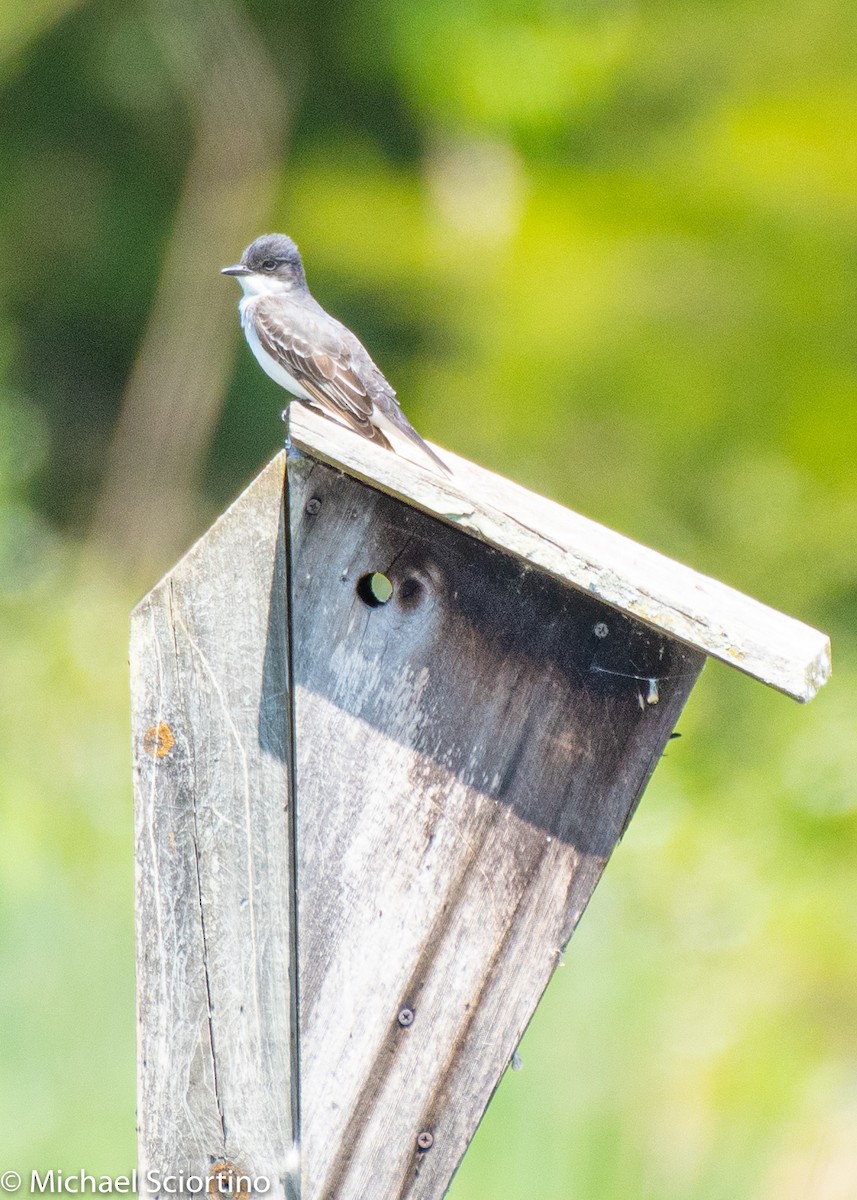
<point>403,428</point>
<point>427,450</point>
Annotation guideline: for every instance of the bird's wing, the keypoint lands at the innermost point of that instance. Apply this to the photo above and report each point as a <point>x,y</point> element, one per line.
<point>325,359</point>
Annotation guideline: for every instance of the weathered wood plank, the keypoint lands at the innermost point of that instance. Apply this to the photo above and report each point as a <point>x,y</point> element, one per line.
<point>468,755</point>
<point>211,753</point>
<point>703,613</point>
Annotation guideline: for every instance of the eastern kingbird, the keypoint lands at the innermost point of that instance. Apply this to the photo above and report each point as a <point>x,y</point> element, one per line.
<point>310,353</point>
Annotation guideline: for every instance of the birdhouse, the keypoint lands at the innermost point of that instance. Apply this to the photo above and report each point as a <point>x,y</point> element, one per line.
<point>388,728</point>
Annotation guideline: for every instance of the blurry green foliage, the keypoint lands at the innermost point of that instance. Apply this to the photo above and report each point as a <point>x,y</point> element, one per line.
<point>607,249</point>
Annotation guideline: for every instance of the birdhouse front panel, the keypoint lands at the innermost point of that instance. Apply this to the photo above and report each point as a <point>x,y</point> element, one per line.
<point>471,736</point>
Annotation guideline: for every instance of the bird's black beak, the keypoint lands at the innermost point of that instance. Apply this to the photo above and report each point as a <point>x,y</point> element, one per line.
<point>238,269</point>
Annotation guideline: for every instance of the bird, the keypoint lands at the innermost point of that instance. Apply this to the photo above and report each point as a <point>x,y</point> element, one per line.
<point>312,355</point>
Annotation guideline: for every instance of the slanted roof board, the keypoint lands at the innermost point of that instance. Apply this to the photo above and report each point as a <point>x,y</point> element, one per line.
<point>693,608</point>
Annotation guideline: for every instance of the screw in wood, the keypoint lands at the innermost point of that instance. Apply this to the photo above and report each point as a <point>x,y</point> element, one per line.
<point>425,1140</point>
<point>313,505</point>
<point>406,1017</point>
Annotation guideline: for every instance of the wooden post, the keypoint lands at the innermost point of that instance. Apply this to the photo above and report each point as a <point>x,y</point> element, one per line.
<point>388,728</point>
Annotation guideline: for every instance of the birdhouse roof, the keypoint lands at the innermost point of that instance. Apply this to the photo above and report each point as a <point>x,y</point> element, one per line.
<point>668,596</point>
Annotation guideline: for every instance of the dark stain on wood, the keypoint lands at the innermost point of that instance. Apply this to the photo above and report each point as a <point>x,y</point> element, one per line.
<point>518,684</point>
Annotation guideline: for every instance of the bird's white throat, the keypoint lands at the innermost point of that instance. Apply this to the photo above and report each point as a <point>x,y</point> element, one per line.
<point>263,285</point>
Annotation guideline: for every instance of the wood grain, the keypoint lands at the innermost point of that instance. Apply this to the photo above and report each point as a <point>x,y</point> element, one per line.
<point>214,934</point>
<point>680,602</point>
<point>468,755</point>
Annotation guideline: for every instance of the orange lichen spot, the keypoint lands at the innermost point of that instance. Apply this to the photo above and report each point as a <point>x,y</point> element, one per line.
<point>158,740</point>
<point>226,1180</point>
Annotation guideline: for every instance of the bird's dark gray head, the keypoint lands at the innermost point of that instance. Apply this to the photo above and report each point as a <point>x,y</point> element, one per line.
<point>273,258</point>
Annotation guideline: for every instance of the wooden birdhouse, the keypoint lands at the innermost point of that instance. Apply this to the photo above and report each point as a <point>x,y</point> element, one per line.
<point>388,729</point>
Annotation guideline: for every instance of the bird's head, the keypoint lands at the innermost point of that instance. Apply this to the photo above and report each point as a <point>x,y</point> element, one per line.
<point>269,266</point>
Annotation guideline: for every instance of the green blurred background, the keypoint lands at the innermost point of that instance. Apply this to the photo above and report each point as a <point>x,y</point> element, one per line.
<point>606,248</point>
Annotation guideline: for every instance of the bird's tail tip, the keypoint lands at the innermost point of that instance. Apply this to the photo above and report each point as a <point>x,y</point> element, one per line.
<point>437,462</point>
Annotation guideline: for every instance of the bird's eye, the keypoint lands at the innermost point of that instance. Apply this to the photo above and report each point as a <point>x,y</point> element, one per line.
<point>270,264</point>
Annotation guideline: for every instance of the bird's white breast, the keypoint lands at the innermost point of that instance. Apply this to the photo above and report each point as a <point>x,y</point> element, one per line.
<point>269,365</point>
